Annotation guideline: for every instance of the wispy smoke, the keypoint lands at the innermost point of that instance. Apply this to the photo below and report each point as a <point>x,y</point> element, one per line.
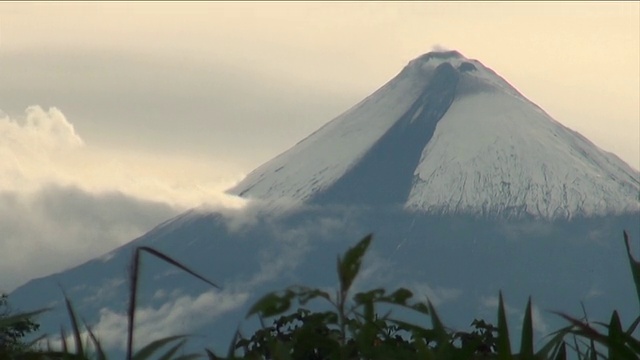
<point>439,48</point>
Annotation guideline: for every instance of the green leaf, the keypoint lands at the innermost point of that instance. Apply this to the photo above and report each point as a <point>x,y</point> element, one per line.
<point>632,342</point>
<point>526,342</point>
<point>633,326</point>
<point>306,294</point>
<point>272,304</point>
<point>562,352</point>
<point>211,355</point>
<point>401,296</point>
<point>172,351</point>
<point>438,327</point>
<point>615,337</point>
<point>349,267</point>
<point>556,341</point>
<point>504,344</point>
<point>189,357</point>
<point>635,265</point>
<point>421,308</point>
<point>368,297</point>
<point>154,346</point>
<point>618,343</point>
<point>583,329</point>
<point>17,318</point>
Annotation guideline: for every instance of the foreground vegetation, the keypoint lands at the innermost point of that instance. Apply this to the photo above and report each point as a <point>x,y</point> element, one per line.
<point>353,326</point>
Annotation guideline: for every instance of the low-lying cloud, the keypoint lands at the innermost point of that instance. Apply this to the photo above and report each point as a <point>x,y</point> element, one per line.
<point>180,315</point>
<point>30,145</point>
<point>63,202</point>
<point>56,227</point>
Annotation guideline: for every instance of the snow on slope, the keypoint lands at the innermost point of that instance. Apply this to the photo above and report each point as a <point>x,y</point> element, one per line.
<point>320,159</point>
<point>323,157</point>
<point>494,153</point>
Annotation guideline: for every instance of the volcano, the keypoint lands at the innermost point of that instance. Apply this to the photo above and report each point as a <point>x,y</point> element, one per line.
<point>448,135</point>
<point>468,187</point>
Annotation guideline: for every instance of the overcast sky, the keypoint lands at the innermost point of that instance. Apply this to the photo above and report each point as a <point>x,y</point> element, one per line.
<point>117,116</point>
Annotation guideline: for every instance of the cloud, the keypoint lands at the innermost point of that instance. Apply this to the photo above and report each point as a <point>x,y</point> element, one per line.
<point>493,302</point>
<point>437,295</point>
<point>42,147</point>
<point>439,48</point>
<point>63,201</point>
<point>30,144</point>
<point>180,315</point>
<point>46,129</point>
<point>56,227</point>
<point>539,324</point>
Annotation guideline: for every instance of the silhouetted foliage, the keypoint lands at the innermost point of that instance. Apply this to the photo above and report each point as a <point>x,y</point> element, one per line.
<point>351,328</point>
<point>13,328</point>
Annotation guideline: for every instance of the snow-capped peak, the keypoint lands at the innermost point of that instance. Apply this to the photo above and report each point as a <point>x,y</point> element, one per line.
<point>449,135</point>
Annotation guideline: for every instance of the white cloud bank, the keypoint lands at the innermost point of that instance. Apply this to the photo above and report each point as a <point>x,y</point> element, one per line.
<point>29,147</point>
<point>63,202</point>
<point>180,315</point>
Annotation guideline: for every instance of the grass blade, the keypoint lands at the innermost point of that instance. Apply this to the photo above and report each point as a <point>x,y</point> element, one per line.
<point>154,346</point>
<point>617,341</point>
<point>37,340</point>
<point>74,323</point>
<point>211,355</point>
<point>552,345</point>
<point>189,357</point>
<point>593,353</point>
<point>63,339</point>
<point>583,329</point>
<point>526,342</point>
<point>438,326</point>
<point>562,352</point>
<point>100,355</point>
<point>172,351</point>
<point>232,346</point>
<point>133,290</point>
<point>10,320</point>
<point>633,326</point>
<point>504,344</point>
<point>177,264</point>
<point>635,265</point>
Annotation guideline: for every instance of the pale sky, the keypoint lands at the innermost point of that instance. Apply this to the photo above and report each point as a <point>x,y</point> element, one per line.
<point>158,107</point>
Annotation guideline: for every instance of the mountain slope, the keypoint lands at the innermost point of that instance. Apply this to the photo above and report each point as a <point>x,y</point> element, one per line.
<point>448,135</point>
<point>493,153</point>
<point>467,186</point>
<point>322,158</point>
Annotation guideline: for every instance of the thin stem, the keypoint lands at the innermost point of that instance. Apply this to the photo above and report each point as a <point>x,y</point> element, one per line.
<point>132,301</point>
